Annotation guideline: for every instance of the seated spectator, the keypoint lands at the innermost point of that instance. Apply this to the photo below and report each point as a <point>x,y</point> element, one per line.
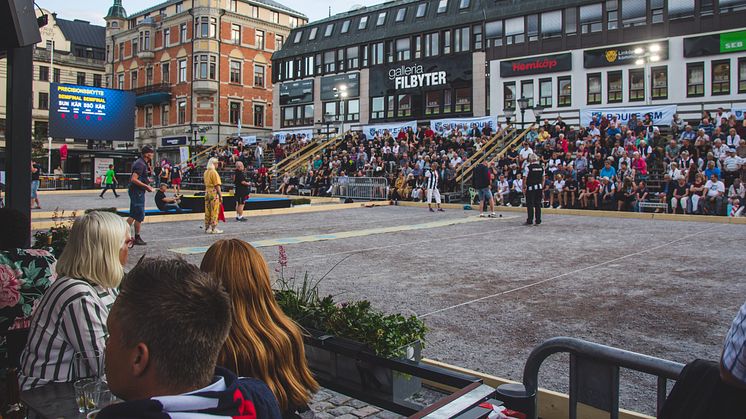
<point>166,203</point>
<point>626,194</point>
<point>167,328</point>
<point>571,185</point>
<point>503,191</point>
<point>71,316</point>
<point>591,191</point>
<point>25,275</point>
<point>641,195</point>
<point>608,193</point>
<point>517,193</point>
<point>263,342</point>
<point>680,195</point>
<point>696,192</point>
<point>558,190</point>
<point>714,193</point>
<point>736,196</point>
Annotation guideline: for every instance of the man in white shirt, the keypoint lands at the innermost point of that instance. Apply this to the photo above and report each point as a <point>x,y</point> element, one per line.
<point>525,151</point>
<point>714,192</point>
<point>503,191</point>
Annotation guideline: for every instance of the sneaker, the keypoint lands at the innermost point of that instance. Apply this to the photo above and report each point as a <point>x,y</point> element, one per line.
<point>441,210</point>
<point>216,231</point>
<point>528,223</point>
<point>432,210</point>
<point>482,215</point>
<point>508,205</point>
<point>243,219</point>
<point>139,241</point>
<point>493,215</point>
<point>559,206</point>
<point>537,223</point>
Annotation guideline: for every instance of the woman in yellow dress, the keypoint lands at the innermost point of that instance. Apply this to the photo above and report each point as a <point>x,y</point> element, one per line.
<point>213,198</point>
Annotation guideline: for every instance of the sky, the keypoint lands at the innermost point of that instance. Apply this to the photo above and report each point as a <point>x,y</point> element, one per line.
<point>95,10</point>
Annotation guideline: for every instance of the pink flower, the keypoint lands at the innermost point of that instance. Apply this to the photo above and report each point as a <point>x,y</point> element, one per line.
<point>9,287</point>
<point>37,252</point>
<point>283,257</point>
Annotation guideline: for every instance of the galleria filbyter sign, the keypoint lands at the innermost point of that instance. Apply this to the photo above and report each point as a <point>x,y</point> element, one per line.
<point>410,77</point>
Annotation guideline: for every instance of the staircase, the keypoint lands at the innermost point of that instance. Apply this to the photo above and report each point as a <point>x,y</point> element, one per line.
<point>493,153</point>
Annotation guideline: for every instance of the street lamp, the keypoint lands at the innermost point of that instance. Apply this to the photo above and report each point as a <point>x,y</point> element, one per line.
<point>645,56</point>
<point>508,115</point>
<point>538,110</point>
<point>523,104</point>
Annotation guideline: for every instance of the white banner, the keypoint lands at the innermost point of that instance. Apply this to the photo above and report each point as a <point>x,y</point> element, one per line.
<point>371,131</point>
<point>282,136</point>
<point>100,167</point>
<point>739,112</point>
<point>184,153</point>
<point>661,114</point>
<point>463,124</point>
<point>248,139</point>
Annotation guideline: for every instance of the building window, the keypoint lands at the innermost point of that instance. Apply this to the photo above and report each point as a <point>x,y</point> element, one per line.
<point>309,66</point>
<point>404,106</point>
<point>515,30</point>
<point>279,42</point>
<point>259,75</point>
<point>235,71</point>
<point>571,21</point>
<point>461,39</point>
<point>660,83</point>
<point>494,31</point>
<point>381,19</point>
<point>298,37</point>
<point>205,67</point>
<point>442,6</point>
<point>293,22</point>
<point>590,18</point>
<point>612,14</point>
<point>254,11</point>
<point>742,75</point>
<point>447,102</point>
<point>43,101</point>
<point>121,51</point>
<point>721,77</point>
<point>421,10</point>
<point>145,41</point>
<point>133,79</point>
<point>329,30</point>
<point>433,102</point>
<point>165,72</point>
<point>258,115</point>
<point>149,76</point>
<point>401,14</point>
<point>234,112</point>
<point>614,83</point>
<point>680,9</point>
<point>179,7</point>
<point>120,81</point>
<point>41,128</point>
<point>165,111</point>
<point>695,79</point>
<point>259,39</point>
<point>275,17</point>
<point>236,34</point>
<point>97,80</point>
<point>564,91</point>
<point>463,99</point>
<point>135,49</point>
<point>527,91</point>
<point>352,57</point>
<point>330,63</point>
<point>353,110</point>
<point>149,116</point>
<point>233,6</point>
<point>377,110</point>
<point>182,71</point>
<point>545,93</point>
<point>636,85</point>
<point>43,73</point>
<point>634,13</point>
<point>312,34</point>
<point>551,24</point>
<point>183,33</point>
<point>464,4</point>
<point>594,89</point>
<point>363,23</point>
<point>432,44</point>
<point>403,49</point>
<point>509,95</point>
<point>205,27</point>
<point>656,11</point>
<point>389,45</point>
<point>166,37</point>
<point>477,31</point>
<point>532,27</point>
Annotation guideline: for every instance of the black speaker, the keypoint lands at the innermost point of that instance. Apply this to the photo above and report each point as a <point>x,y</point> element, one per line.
<point>18,25</point>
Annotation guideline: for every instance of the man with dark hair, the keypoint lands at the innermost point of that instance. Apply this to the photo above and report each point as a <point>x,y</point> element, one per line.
<point>139,184</point>
<point>166,329</point>
<point>481,181</point>
<point>532,190</point>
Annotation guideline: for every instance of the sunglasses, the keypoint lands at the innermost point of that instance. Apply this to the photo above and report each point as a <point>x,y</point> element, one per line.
<point>130,243</point>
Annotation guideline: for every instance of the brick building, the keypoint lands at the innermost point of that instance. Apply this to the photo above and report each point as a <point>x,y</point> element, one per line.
<point>199,68</point>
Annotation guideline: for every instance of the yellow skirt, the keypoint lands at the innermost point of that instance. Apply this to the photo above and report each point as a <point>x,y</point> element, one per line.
<point>212,208</point>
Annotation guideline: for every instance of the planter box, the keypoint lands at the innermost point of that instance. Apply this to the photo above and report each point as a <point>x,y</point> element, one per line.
<point>354,370</point>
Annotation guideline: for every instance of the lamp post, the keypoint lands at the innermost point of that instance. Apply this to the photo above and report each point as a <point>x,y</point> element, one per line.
<point>508,115</point>
<point>645,56</point>
<point>523,104</point>
<point>538,110</point>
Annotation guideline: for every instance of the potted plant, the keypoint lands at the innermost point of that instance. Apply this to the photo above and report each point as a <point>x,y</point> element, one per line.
<point>56,237</point>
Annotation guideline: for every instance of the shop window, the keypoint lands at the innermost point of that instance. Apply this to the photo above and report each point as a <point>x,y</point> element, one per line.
<point>636,85</point>
<point>564,91</point>
<point>404,106</point>
<point>590,18</point>
<point>721,77</point>
<point>433,102</point>
<point>614,86</point>
<point>463,100</point>
<point>527,91</point>
<point>742,75</point>
<point>509,95</point>
<point>660,83</point>
<point>695,79</point>
<point>545,93</point>
<point>594,89</point>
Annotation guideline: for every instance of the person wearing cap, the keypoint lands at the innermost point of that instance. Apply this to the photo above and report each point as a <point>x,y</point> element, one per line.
<point>139,184</point>
<point>532,190</point>
<point>731,166</point>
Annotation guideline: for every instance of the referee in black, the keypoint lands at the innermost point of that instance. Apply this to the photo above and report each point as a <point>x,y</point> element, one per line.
<point>533,189</point>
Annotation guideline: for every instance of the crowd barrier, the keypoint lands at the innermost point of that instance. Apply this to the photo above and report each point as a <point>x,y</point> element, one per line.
<point>58,183</point>
<point>362,188</point>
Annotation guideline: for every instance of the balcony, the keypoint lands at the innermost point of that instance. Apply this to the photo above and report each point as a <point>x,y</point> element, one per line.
<point>205,86</point>
<point>145,55</point>
<point>154,94</point>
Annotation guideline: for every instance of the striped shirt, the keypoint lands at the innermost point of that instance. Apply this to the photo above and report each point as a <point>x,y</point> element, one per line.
<point>734,348</point>
<point>432,179</point>
<point>71,318</point>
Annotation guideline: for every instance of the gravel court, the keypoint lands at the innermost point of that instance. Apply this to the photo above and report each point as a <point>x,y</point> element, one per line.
<point>663,288</point>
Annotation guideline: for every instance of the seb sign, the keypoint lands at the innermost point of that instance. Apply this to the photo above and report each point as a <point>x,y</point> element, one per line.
<point>410,77</point>
<point>536,65</point>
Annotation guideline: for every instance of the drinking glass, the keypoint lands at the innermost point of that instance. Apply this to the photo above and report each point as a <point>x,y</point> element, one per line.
<point>88,364</point>
<point>80,395</point>
<point>98,395</point>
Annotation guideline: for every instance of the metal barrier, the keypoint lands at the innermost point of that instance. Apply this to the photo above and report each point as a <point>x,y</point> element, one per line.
<point>594,375</point>
<point>363,188</point>
<point>57,183</point>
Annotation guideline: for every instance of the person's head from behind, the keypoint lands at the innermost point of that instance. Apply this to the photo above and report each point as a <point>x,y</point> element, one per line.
<point>15,229</point>
<point>261,331</point>
<point>97,249</point>
<point>166,329</point>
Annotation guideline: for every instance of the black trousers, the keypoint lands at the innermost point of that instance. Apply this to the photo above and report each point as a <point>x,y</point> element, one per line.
<point>533,205</point>
<point>107,186</point>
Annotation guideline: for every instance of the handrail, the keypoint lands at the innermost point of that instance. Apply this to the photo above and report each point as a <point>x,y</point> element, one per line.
<point>483,149</point>
<point>582,351</point>
<point>196,156</point>
<point>512,143</point>
<point>488,148</point>
<point>301,159</point>
<point>294,154</point>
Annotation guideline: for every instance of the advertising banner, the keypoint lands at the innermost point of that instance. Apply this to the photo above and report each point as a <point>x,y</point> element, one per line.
<point>536,65</point>
<point>463,124</point>
<point>714,44</point>
<point>183,153</point>
<point>739,112</point>
<point>100,167</point>
<point>420,75</point>
<point>282,136</point>
<point>393,128</point>
<point>91,113</point>
<point>297,92</point>
<point>248,139</point>
<point>340,86</point>
<point>661,115</point>
<point>172,141</point>
<point>621,55</point>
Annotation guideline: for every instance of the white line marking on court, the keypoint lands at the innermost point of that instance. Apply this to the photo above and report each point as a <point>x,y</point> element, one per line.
<point>544,281</point>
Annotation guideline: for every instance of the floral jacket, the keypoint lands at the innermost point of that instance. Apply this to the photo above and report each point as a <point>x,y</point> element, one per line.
<point>25,274</point>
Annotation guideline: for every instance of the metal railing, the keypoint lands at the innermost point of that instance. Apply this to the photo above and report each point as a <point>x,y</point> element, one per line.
<point>594,375</point>
<point>363,188</point>
<point>59,182</point>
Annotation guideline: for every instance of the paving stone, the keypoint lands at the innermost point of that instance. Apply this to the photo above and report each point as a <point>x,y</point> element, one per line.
<point>366,411</point>
<point>323,415</point>
<point>321,406</point>
<point>341,410</point>
<point>357,404</point>
<point>385,414</point>
<point>321,396</point>
<point>339,399</point>
<point>347,416</point>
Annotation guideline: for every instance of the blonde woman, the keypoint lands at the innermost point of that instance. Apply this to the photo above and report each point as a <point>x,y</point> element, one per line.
<point>263,342</point>
<point>213,197</point>
<point>71,316</point>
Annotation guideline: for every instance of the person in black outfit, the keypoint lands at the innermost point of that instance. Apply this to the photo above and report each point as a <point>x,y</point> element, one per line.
<point>242,190</point>
<point>533,190</point>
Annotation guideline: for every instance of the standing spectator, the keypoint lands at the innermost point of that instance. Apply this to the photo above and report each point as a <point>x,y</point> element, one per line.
<point>678,125</point>
<point>241,190</point>
<point>109,182</point>
<point>481,181</point>
<point>533,190</point>
<point>213,197</point>
<point>35,182</point>
<point>714,192</point>
<point>165,174</point>
<point>176,178</point>
<point>258,155</point>
<point>139,184</point>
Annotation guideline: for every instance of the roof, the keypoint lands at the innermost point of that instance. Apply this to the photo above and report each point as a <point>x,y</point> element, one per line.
<point>82,33</point>
<point>268,3</point>
<point>477,12</point>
